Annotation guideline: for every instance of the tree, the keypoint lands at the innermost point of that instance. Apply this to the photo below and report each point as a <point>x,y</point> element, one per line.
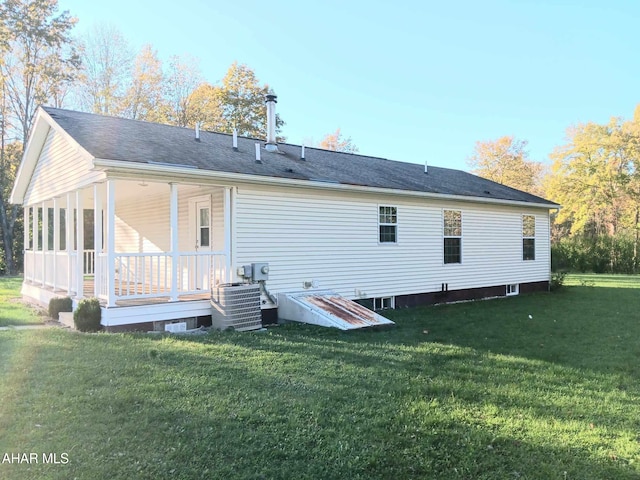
<point>106,70</point>
<point>181,79</point>
<point>595,176</point>
<point>37,61</point>
<point>338,143</point>
<point>506,161</point>
<point>205,107</point>
<point>144,97</point>
<point>242,99</point>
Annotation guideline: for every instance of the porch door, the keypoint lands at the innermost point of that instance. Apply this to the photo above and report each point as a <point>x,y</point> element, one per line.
<point>201,236</point>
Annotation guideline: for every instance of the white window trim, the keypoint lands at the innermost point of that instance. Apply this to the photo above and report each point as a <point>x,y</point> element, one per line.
<point>515,291</point>
<point>387,224</point>
<point>452,236</point>
<point>391,300</point>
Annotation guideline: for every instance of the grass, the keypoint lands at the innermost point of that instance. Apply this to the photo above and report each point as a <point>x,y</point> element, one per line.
<point>12,310</point>
<point>467,391</point>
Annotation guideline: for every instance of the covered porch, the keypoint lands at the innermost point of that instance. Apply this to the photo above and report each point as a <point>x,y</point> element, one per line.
<point>130,243</point>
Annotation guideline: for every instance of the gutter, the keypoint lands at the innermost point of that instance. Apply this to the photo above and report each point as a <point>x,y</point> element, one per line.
<point>170,172</point>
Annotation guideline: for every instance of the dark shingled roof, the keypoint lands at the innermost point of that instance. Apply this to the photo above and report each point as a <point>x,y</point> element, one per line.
<point>127,140</point>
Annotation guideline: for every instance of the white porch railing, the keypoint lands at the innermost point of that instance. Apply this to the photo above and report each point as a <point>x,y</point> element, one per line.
<point>57,275</point>
<point>89,262</point>
<point>137,275</point>
<point>148,275</point>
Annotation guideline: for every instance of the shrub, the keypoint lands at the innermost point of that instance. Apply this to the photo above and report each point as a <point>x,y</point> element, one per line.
<point>557,281</point>
<point>87,315</point>
<point>57,305</point>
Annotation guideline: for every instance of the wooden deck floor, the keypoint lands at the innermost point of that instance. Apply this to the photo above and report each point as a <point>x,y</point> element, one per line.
<point>161,298</point>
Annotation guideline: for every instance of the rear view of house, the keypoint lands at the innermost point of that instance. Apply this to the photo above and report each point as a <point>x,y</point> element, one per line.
<point>152,219</point>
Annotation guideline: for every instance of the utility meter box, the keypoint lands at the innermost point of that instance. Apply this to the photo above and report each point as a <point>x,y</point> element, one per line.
<point>260,271</point>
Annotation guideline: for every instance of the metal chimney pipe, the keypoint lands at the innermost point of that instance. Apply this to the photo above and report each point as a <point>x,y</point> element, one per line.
<point>302,153</point>
<point>235,139</point>
<point>197,131</point>
<point>271,100</point>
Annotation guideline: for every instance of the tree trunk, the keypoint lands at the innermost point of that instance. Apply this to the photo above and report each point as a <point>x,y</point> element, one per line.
<point>635,244</point>
<point>7,222</point>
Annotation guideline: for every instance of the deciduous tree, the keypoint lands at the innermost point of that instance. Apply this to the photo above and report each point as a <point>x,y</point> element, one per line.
<point>144,98</point>
<point>106,70</point>
<point>181,79</point>
<point>37,61</point>
<point>506,161</point>
<point>338,143</point>
<point>595,177</point>
<point>242,99</point>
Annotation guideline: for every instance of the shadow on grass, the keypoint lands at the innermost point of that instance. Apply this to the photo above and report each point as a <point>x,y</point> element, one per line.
<point>302,402</point>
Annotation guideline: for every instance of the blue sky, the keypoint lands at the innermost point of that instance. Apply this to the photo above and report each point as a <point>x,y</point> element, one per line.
<point>408,80</point>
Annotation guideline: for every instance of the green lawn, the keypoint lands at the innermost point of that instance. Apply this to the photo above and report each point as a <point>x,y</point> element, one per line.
<point>12,310</point>
<point>543,386</point>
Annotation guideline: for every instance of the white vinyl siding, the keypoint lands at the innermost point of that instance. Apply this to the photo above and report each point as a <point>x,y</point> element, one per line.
<point>144,226</point>
<point>332,238</point>
<point>61,168</point>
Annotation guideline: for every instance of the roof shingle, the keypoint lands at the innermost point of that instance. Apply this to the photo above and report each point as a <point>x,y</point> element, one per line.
<point>127,140</point>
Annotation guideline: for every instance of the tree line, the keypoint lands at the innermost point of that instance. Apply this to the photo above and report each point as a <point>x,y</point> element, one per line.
<point>42,63</point>
<point>595,176</point>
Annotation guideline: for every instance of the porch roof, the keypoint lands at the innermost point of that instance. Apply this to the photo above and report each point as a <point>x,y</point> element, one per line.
<point>125,140</point>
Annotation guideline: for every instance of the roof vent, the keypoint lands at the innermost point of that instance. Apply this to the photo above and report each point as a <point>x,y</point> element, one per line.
<point>302,153</point>
<point>426,167</point>
<point>258,159</point>
<point>235,139</point>
<point>271,100</point>
<point>197,131</point>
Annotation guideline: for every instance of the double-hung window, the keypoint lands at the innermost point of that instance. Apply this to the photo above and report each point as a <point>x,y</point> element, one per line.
<point>528,237</point>
<point>452,236</point>
<point>388,224</point>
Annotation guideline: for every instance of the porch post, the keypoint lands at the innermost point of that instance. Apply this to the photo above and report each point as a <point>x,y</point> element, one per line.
<point>227,234</point>
<point>97,239</point>
<point>68,239</point>
<point>34,233</point>
<point>111,243</point>
<point>173,194</point>
<point>56,241</point>
<point>79,245</point>
<point>25,242</point>
<point>45,241</point>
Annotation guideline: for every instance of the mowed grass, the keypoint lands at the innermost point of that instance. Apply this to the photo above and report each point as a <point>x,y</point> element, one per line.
<point>12,310</point>
<point>543,386</point>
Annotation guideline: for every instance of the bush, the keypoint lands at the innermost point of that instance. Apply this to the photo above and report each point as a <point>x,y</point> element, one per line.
<point>87,315</point>
<point>57,305</point>
<point>597,254</point>
<point>557,281</point>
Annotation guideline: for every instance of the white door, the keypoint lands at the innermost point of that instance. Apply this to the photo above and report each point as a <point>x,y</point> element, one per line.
<point>201,236</point>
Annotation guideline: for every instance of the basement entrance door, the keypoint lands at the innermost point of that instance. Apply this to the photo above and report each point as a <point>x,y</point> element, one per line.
<point>200,234</point>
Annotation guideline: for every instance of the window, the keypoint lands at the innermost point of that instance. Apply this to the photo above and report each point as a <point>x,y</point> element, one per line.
<point>528,237</point>
<point>452,236</point>
<point>512,289</point>
<point>204,226</point>
<point>388,224</point>
<point>383,303</point>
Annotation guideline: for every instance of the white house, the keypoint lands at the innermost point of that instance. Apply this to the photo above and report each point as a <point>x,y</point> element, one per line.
<point>150,217</point>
